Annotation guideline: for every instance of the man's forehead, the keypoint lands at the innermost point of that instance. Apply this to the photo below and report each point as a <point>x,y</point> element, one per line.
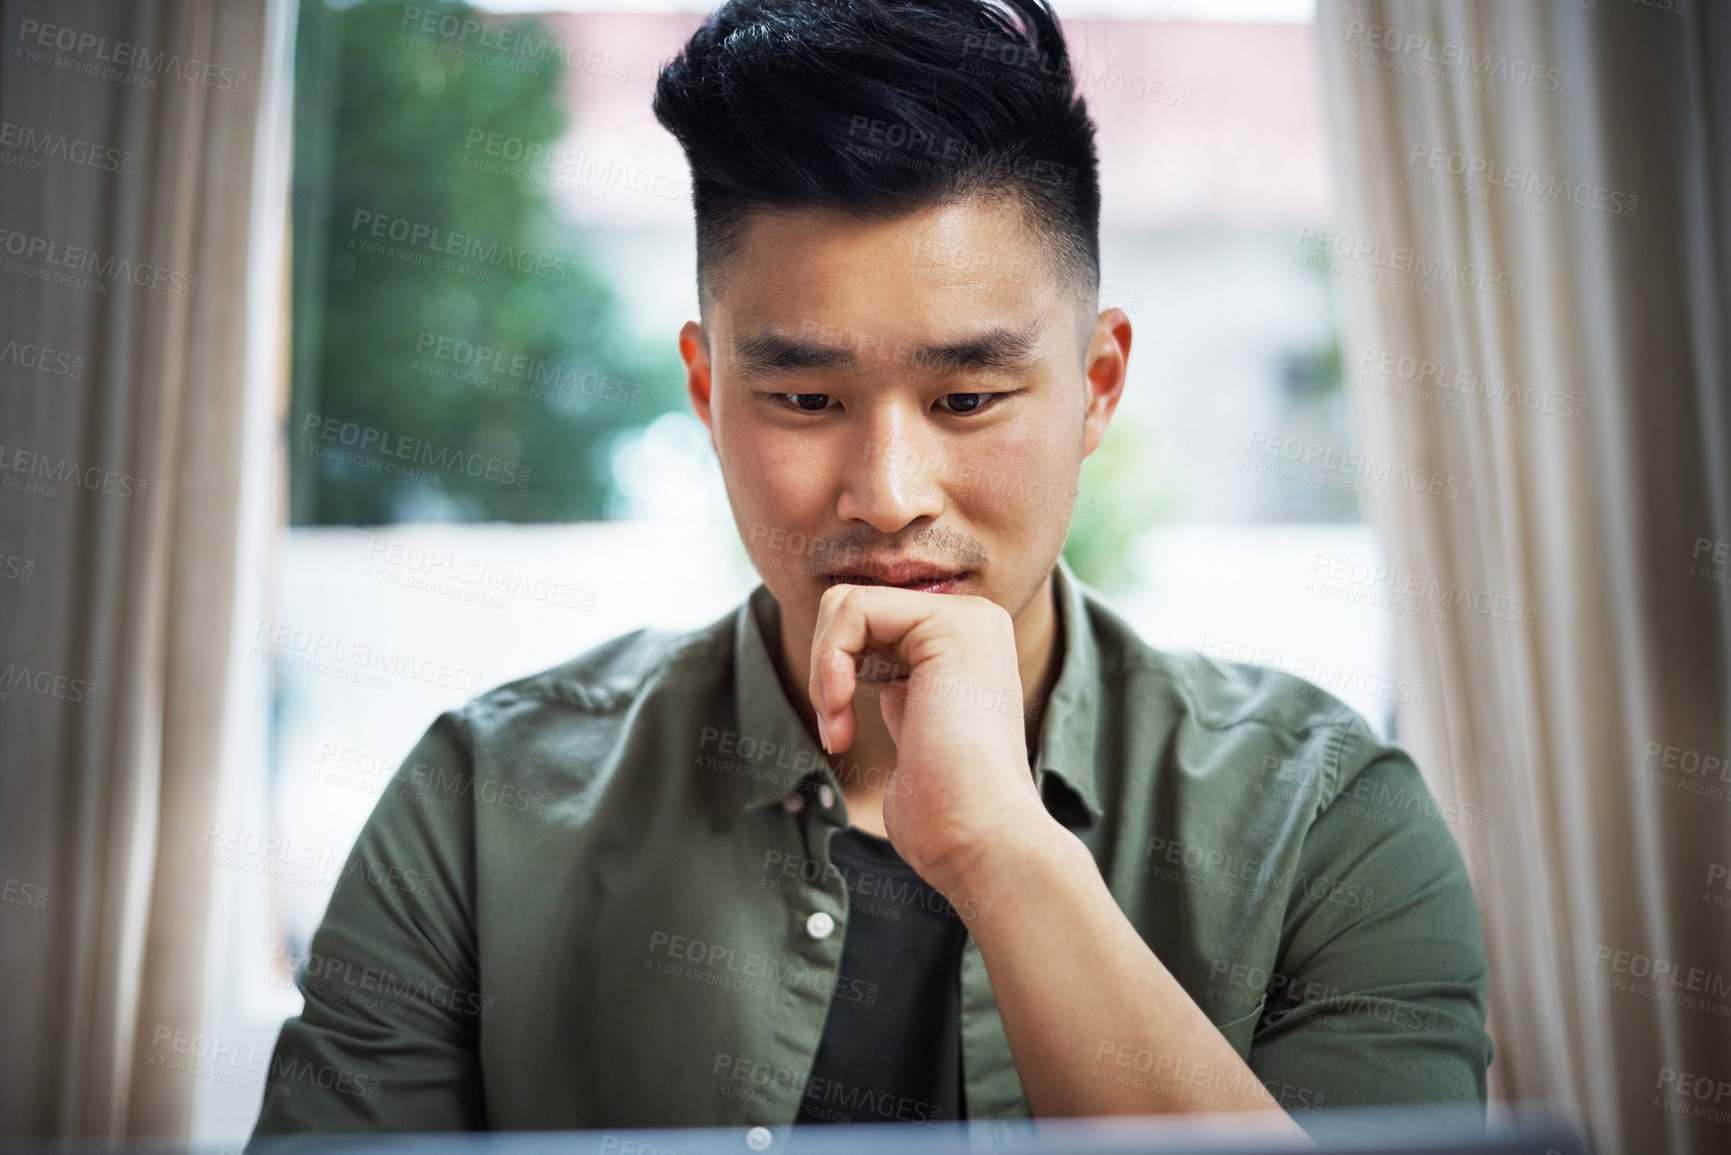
<point>976,245</point>
<point>954,285</point>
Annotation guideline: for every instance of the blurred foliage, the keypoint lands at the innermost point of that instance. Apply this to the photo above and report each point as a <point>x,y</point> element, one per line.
<point>1125,491</point>
<point>387,126</point>
<point>1313,407</point>
<point>1313,376</point>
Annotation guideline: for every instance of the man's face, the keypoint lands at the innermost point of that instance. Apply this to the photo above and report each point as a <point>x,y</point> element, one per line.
<point>901,401</point>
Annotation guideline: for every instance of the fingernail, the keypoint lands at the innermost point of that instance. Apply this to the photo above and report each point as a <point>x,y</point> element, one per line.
<point>823,733</point>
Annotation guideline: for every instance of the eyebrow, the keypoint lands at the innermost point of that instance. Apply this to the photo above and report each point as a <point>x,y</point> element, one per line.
<point>995,348</point>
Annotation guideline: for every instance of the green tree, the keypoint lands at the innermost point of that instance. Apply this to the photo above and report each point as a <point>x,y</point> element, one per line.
<point>455,356</point>
<point>1124,492</point>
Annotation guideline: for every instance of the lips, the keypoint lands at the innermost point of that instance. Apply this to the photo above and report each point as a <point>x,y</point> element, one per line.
<point>919,576</point>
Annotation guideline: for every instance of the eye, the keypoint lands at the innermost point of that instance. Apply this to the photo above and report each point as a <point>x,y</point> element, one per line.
<point>966,402</point>
<point>808,402</point>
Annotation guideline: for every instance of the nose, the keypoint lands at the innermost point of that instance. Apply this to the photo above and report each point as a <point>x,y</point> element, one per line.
<point>893,474</point>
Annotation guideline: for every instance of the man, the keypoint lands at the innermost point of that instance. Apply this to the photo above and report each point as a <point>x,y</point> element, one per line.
<point>922,831</point>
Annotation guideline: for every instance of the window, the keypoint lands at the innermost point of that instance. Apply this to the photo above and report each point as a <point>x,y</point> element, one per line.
<point>491,467</point>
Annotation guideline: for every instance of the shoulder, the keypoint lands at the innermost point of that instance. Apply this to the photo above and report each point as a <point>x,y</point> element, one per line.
<point>598,690</point>
<point>1275,724</point>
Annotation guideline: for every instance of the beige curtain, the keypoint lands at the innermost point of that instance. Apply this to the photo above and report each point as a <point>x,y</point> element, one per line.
<point>1533,259</point>
<point>126,195</point>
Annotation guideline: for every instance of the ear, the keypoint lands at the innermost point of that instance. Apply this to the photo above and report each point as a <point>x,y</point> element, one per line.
<point>1105,368</point>
<point>694,349</point>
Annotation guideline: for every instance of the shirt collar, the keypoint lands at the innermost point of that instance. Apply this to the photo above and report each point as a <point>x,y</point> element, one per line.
<point>1070,717</point>
<point>775,752</point>
<point>773,748</point>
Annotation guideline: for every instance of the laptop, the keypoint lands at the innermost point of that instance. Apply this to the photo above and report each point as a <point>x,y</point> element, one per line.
<point>1538,1131</point>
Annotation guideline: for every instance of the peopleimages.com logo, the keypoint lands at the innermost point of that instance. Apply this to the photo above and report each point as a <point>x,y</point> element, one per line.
<point>1369,259</point>
<point>365,439</point>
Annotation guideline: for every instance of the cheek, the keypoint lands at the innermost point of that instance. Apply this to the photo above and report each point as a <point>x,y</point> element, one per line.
<point>748,452</point>
<point>1010,480</point>
<point>779,475</point>
<point>775,485</point>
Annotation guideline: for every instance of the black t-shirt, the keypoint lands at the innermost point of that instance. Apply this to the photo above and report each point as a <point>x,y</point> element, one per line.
<point>895,1057</point>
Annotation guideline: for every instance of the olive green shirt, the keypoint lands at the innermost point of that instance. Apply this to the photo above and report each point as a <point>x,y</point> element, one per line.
<point>601,896</point>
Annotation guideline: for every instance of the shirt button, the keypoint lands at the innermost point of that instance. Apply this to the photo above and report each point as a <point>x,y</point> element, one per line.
<point>759,1138</point>
<point>793,803</point>
<point>818,926</point>
<point>825,796</point>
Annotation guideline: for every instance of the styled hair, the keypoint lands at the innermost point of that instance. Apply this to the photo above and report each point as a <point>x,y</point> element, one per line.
<point>880,107</point>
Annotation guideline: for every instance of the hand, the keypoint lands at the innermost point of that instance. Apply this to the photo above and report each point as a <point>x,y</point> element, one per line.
<point>951,698</point>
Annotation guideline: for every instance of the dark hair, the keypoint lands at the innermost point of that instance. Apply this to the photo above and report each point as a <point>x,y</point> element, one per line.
<point>879,107</point>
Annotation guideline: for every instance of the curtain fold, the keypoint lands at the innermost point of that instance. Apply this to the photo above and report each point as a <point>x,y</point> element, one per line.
<point>125,197</point>
<point>1532,259</point>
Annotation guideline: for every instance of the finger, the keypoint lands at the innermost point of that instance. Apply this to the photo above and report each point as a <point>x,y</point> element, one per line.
<point>830,686</point>
<point>851,620</point>
<point>893,704</point>
<point>833,685</point>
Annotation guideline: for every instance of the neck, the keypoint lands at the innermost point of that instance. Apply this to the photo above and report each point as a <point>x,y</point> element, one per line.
<point>863,769</point>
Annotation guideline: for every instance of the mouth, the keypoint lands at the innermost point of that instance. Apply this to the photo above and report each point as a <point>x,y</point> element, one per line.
<point>916,576</point>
